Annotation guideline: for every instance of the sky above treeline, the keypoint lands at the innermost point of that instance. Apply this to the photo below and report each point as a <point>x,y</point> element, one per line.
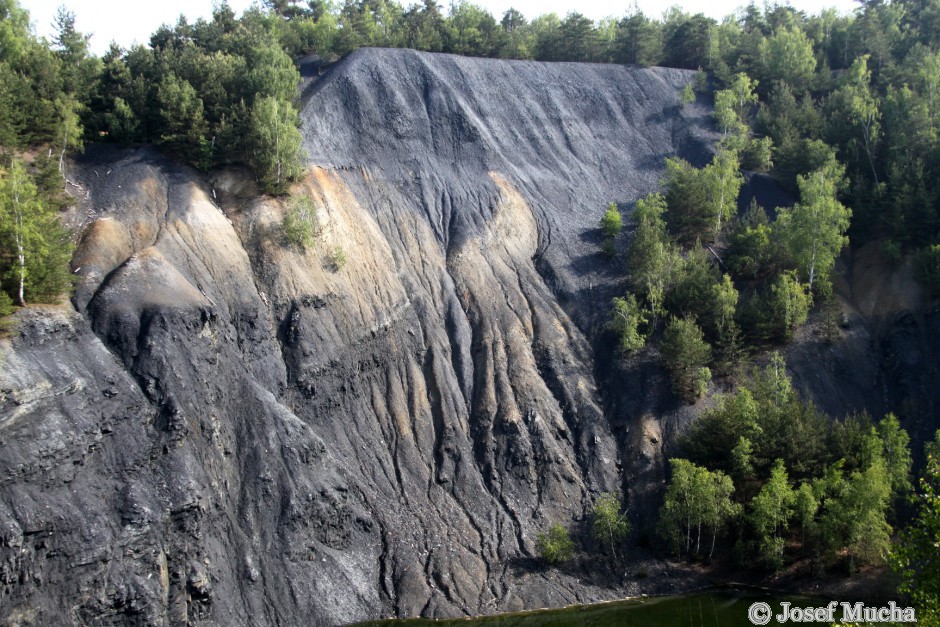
<point>129,22</point>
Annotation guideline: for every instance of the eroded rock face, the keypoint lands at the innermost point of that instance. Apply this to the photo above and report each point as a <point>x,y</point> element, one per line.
<point>266,434</point>
<point>230,430</point>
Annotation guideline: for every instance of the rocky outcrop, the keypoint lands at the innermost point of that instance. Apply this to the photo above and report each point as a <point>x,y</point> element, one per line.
<point>227,429</point>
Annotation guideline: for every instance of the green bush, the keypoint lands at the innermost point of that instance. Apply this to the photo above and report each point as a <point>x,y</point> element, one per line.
<point>338,259</point>
<point>556,545</point>
<point>300,221</point>
<point>612,222</point>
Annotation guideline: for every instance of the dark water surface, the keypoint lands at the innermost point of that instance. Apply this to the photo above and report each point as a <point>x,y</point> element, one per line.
<point>715,607</point>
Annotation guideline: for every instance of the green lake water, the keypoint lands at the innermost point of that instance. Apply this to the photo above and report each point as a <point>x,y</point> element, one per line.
<point>718,607</point>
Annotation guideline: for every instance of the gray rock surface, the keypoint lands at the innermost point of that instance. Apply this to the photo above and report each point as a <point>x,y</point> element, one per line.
<point>230,430</point>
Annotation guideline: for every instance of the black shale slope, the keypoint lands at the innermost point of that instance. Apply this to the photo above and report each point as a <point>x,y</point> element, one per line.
<point>234,431</point>
<point>571,137</point>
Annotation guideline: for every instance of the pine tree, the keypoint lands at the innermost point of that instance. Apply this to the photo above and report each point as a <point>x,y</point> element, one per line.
<point>685,354</point>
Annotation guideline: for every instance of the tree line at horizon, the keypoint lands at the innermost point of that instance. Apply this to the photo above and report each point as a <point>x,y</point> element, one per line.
<point>223,91</point>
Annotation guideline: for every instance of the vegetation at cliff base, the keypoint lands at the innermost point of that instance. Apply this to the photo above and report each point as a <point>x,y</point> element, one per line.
<point>796,484</point>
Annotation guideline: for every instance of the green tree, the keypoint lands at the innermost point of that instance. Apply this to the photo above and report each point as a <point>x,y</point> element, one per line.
<point>732,418</point>
<point>578,38</point>
<point>79,69</point>
<point>701,198</point>
<point>14,30</point>
<point>786,306</point>
<point>276,154</point>
<point>424,26</point>
<point>853,511</point>
<point>652,257</point>
<point>722,183</point>
<point>555,546</point>
<point>69,131</point>
<point>751,251</point>
<point>626,321</point>
<point>770,514</point>
<point>805,507</point>
<point>271,72</point>
<point>856,105</point>
<point>914,557</point>
<point>733,105</point>
<point>744,92</point>
<point>895,443</point>
<point>608,525</point>
<point>788,56</point>
<point>686,38</point>
<point>724,300</point>
<point>813,230</point>
<point>725,115</point>
<point>473,30</point>
<point>518,42</point>
<point>694,498</point>
<point>39,246</point>
<point>692,286</point>
<point>685,352</point>
<point>719,506</point>
<point>181,120</point>
<point>639,40</point>
<point>742,464</point>
<point>686,198</point>
<point>684,503</point>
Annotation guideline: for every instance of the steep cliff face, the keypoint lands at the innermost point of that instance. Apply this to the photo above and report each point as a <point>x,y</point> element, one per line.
<point>229,427</point>
<point>229,430</point>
